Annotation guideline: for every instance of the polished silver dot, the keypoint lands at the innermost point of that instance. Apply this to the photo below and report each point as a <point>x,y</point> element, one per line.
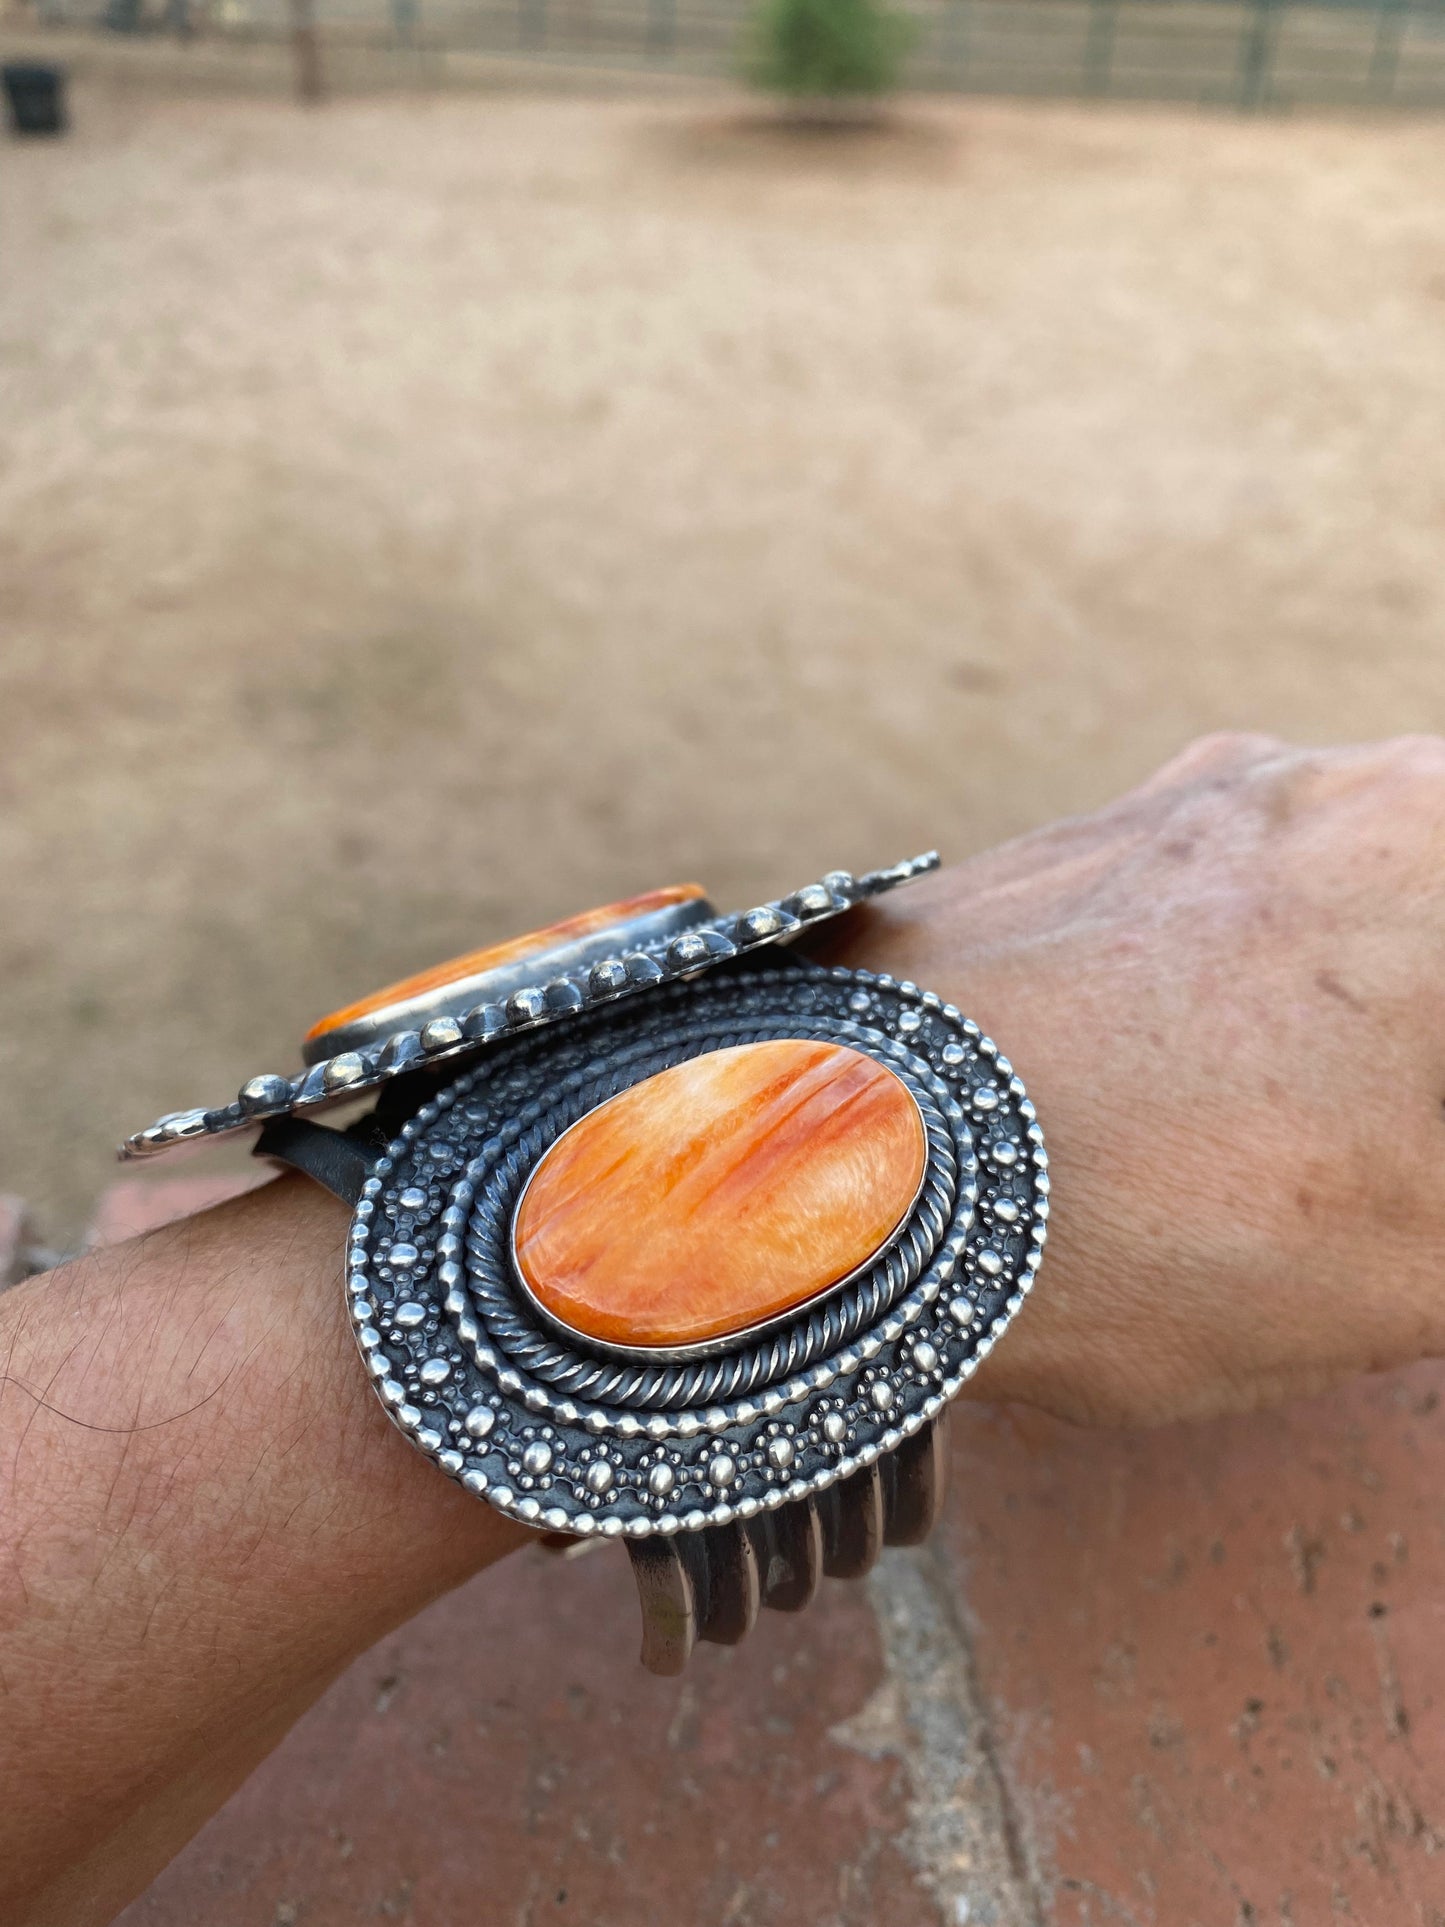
<point>985,1098</point>
<point>343,1071</point>
<point>925,1357</point>
<point>402,1257</point>
<point>412,1199</point>
<point>881,1394</point>
<point>780,1453</point>
<point>989,1263</point>
<point>435,1371</point>
<point>480,1421</point>
<point>607,977</point>
<point>859,1002</point>
<point>600,1477</point>
<point>909,1021</point>
<point>661,1479</point>
<point>1005,1210</point>
<point>409,1315</point>
<point>721,1472</point>
<point>265,1094</point>
<point>1006,1152</point>
<point>960,1310</point>
<point>835,1429</point>
<point>441,1034</point>
<point>537,1458</point>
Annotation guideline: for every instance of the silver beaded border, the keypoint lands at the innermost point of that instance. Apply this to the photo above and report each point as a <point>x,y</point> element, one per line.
<point>574,1466</point>
<point>709,942</point>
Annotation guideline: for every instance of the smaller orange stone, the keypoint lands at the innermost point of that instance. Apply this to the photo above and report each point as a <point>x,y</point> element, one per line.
<point>512,950</point>
<point>720,1194</point>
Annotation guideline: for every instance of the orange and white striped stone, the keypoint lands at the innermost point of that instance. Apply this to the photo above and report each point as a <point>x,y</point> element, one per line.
<point>720,1193</point>
<point>535,943</point>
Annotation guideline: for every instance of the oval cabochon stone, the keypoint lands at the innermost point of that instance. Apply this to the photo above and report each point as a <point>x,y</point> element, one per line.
<point>720,1193</point>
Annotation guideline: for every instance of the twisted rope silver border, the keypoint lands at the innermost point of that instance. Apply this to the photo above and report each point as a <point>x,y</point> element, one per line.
<point>494,1182</point>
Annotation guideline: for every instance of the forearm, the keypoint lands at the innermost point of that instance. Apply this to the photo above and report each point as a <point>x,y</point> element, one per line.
<point>204,1515</point>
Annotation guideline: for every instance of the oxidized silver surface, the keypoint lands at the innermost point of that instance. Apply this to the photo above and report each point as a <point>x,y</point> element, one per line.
<point>578,1441</point>
<point>481,1012</point>
<point>648,930</point>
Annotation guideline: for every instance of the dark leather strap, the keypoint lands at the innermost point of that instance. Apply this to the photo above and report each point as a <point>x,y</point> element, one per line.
<point>337,1159</point>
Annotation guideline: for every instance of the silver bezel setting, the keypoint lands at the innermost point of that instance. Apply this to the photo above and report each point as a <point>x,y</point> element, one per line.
<point>680,1446</point>
<point>452,1036</point>
<point>656,1055</point>
<point>647,930</point>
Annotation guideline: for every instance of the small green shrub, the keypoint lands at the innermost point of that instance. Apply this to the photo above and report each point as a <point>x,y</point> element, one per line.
<point>824,49</point>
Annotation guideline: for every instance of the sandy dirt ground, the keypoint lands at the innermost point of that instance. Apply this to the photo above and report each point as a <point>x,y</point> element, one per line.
<point>422,517</point>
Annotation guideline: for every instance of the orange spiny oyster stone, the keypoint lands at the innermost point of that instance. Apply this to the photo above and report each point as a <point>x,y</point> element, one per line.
<point>720,1193</point>
<point>513,950</point>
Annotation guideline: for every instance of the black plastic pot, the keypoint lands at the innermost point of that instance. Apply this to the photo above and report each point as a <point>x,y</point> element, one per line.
<point>35,96</point>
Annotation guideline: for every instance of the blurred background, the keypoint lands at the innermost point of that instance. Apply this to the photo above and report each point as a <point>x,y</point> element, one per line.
<point>543,469</point>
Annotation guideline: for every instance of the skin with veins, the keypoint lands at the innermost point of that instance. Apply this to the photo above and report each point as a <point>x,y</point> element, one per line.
<point>720,1193</point>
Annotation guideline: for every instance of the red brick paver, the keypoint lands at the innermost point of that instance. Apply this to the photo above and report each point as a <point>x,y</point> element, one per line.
<point>135,1205</point>
<point>1214,1659</point>
<point>503,1759</point>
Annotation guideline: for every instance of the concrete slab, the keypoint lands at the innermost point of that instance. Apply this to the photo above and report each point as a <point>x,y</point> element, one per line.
<point>14,1239</point>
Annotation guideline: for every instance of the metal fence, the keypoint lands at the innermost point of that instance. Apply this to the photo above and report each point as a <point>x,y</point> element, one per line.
<point>1254,54</point>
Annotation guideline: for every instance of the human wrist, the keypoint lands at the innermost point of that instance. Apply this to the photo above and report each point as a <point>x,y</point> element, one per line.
<point>1222,991</point>
<point>976,933</point>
